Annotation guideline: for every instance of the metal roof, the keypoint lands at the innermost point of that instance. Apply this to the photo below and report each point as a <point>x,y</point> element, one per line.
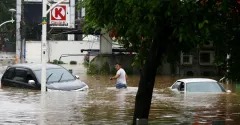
<point>34,66</point>
<point>197,80</point>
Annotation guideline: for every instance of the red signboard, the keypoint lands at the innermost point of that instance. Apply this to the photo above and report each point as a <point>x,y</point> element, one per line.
<point>59,16</point>
<point>59,13</point>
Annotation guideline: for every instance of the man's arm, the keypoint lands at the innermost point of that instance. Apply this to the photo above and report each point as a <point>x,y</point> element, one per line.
<point>115,77</point>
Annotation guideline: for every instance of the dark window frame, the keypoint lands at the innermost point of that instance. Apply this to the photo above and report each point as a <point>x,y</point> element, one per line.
<point>6,74</point>
<point>176,85</point>
<point>20,76</point>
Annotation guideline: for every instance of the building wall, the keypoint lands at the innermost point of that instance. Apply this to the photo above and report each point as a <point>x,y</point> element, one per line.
<point>57,48</point>
<point>198,67</point>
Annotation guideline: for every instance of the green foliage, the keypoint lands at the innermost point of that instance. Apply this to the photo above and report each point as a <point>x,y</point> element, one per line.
<point>5,5</point>
<point>183,25</point>
<point>113,71</point>
<point>139,60</point>
<point>57,62</point>
<point>129,70</point>
<point>6,15</point>
<point>159,69</point>
<point>61,62</point>
<point>102,70</point>
<point>80,4</point>
<point>73,62</point>
<point>85,63</point>
<point>105,69</point>
<point>189,24</point>
<point>92,69</point>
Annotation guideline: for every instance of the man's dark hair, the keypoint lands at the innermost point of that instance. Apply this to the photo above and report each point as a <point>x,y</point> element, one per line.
<point>118,63</point>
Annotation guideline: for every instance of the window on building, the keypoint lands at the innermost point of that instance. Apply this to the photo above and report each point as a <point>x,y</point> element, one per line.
<point>206,57</point>
<point>186,58</point>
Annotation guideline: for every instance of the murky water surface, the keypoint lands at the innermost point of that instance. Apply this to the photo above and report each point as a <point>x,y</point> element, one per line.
<point>104,105</point>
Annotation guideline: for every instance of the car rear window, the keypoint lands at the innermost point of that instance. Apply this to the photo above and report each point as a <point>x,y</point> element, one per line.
<point>204,87</point>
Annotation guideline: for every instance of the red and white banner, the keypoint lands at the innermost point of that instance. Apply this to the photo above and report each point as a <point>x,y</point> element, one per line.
<point>66,1</point>
<point>59,16</point>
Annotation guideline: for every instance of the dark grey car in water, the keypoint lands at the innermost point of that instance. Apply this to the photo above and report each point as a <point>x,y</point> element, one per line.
<point>29,76</point>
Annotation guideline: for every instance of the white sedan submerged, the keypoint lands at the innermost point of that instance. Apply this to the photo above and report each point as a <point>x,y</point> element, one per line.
<point>198,85</point>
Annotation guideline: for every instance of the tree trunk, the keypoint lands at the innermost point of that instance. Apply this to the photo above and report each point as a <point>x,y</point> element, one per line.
<point>147,79</point>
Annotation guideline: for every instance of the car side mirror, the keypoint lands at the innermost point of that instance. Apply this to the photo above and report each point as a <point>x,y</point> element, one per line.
<point>31,82</point>
<point>77,77</point>
<point>228,91</point>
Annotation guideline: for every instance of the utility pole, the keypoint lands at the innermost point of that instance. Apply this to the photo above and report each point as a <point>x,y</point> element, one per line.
<point>18,36</point>
<point>44,40</point>
<point>72,19</point>
<point>228,67</point>
<point>23,35</point>
<point>44,45</point>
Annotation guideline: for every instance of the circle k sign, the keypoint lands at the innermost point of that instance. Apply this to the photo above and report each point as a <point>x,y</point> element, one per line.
<point>59,12</point>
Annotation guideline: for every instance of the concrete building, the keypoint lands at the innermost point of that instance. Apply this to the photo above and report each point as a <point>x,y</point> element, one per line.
<point>199,62</point>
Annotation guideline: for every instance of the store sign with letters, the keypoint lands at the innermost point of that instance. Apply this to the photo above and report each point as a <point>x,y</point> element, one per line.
<point>59,16</point>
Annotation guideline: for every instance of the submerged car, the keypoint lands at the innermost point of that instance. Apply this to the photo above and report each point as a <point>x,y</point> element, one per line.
<point>29,76</point>
<point>198,85</point>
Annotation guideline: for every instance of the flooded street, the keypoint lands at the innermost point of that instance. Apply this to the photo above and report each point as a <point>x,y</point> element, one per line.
<point>104,105</point>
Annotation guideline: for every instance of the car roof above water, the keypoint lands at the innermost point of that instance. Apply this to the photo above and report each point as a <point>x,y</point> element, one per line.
<point>187,80</point>
<point>34,66</point>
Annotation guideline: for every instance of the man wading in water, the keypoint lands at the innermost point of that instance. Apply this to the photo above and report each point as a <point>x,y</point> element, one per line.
<point>121,77</point>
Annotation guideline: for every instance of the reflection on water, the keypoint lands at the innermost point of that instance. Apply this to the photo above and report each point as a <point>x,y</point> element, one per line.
<point>103,104</point>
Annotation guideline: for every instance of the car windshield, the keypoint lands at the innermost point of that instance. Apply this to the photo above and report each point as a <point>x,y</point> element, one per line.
<point>204,87</point>
<point>55,75</point>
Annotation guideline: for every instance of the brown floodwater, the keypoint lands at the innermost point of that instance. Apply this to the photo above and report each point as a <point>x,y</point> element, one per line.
<point>102,104</point>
